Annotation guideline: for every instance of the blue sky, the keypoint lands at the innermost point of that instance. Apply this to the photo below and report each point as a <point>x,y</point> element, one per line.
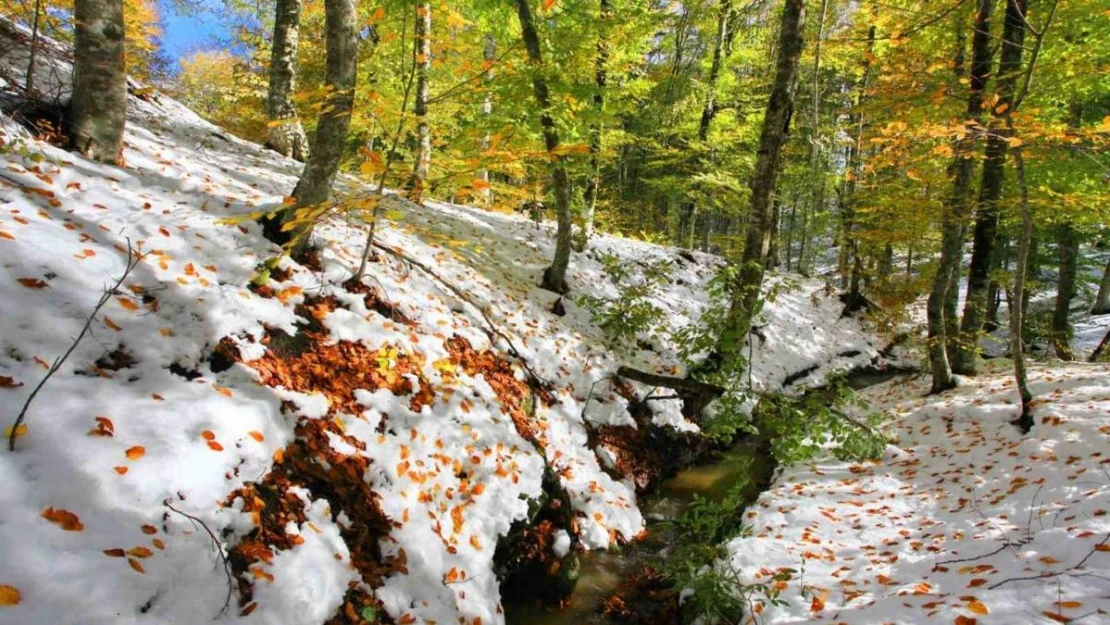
<point>187,32</point>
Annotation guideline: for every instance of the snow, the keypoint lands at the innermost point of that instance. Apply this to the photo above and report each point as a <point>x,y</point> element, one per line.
<point>67,222</point>
<point>960,507</point>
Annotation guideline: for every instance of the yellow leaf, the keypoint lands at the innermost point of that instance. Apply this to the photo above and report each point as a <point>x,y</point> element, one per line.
<point>21,430</point>
<point>9,595</point>
<point>978,608</point>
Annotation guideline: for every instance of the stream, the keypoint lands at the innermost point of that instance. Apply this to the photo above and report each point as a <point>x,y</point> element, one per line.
<point>603,571</point>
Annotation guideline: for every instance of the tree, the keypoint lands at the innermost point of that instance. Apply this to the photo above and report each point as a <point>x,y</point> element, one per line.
<point>601,79</point>
<point>98,106</point>
<point>1102,302</point>
<point>955,216</point>
<point>314,187</point>
<point>990,191</point>
<point>286,136</point>
<point>555,277</point>
<point>422,61</point>
<point>776,125</point>
<point>1067,241</point>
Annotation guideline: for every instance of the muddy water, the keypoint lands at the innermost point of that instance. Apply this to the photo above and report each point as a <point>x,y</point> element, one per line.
<point>602,572</point>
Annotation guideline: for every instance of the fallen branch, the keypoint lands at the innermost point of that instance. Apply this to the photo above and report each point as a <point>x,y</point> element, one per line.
<point>1099,546</point>
<point>684,387</point>
<point>219,549</point>
<point>492,328</point>
<point>132,261</point>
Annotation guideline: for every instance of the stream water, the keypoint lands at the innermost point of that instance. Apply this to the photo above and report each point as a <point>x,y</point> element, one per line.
<point>602,572</point>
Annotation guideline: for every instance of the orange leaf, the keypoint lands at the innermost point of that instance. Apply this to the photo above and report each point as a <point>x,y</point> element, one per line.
<point>111,324</point>
<point>208,435</point>
<point>32,283</point>
<point>1102,547</point>
<point>256,435</point>
<point>150,529</point>
<point>114,553</point>
<point>135,452</point>
<point>817,605</point>
<point>121,470</point>
<point>214,446</point>
<point>158,543</point>
<point>128,304</point>
<point>1059,618</point>
<point>9,595</point>
<point>65,518</point>
<point>135,565</point>
<point>1071,605</point>
<point>7,382</point>
<point>140,552</point>
<point>5,235</point>
<point>965,620</point>
<point>978,581</point>
<point>978,608</point>
<point>226,392</point>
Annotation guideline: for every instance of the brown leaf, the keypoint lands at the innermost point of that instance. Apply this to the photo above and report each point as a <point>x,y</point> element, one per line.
<point>115,553</point>
<point>1059,618</point>
<point>136,565</point>
<point>978,608</point>
<point>140,552</point>
<point>32,283</point>
<point>150,529</point>
<point>135,452</point>
<point>965,620</point>
<point>6,382</point>
<point>69,521</point>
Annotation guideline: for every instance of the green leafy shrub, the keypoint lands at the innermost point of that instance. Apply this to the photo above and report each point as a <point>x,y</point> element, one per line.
<point>632,312</point>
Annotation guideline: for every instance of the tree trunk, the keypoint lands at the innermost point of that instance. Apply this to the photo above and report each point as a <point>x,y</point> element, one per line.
<point>422,61</point>
<point>776,125</point>
<point>286,135</point>
<point>489,55</point>
<point>955,216</point>
<point>1068,242</point>
<point>555,277</point>
<point>854,169</point>
<point>709,110</point>
<point>601,78</point>
<point>98,107</point>
<point>314,187</point>
<point>1102,302</point>
<point>1017,313</point>
<point>990,192</point>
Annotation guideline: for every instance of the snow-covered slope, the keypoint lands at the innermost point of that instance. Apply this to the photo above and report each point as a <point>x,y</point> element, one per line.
<point>962,521</point>
<point>137,433</point>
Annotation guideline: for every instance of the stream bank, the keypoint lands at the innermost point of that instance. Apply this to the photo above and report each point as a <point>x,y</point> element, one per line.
<point>624,584</point>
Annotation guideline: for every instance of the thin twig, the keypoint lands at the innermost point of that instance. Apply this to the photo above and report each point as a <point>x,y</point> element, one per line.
<point>219,549</point>
<point>132,261</point>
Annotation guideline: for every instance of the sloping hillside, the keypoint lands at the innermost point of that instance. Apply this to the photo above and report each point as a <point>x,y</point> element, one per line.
<point>352,447</point>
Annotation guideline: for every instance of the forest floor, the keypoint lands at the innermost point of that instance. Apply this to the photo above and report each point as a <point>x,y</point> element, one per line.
<point>386,450</point>
<point>963,520</point>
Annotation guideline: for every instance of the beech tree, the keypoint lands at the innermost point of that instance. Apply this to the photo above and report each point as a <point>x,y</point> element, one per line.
<point>286,136</point>
<point>98,107</point>
<point>555,277</point>
<point>422,61</point>
<point>314,187</point>
<point>776,125</point>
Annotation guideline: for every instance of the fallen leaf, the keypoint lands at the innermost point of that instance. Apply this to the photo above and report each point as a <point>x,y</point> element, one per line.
<point>9,595</point>
<point>965,620</point>
<point>1059,618</point>
<point>135,565</point>
<point>111,324</point>
<point>140,552</point>
<point>214,446</point>
<point>256,435</point>
<point>20,430</point>
<point>135,452</point>
<point>817,605</point>
<point>32,283</point>
<point>150,529</point>
<point>121,470</point>
<point>978,608</point>
<point>69,521</point>
<point>115,553</point>
<point>6,382</point>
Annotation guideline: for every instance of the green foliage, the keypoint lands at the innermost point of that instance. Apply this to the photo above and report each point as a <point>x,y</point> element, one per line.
<point>800,428</point>
<point>632,312</point>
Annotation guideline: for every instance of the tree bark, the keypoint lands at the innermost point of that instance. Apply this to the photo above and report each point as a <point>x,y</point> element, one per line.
<point>555,277</point>
<point>967,359</point>
<point>601,79</point>
<point>98,107</point>
<point>1102,302</point>
<point>1068,243</point>
<point>1017,313</point>
<point>314,187</point>
<point>776,125</point>
<point>955,216</point>
<point>422,61</point>
<point>489,55</point>
<point>286,136</point>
